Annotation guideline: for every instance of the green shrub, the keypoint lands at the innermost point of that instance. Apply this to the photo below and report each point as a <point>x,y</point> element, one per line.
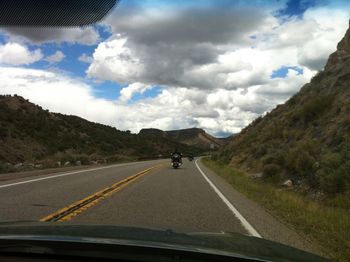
<point>304,163</point>
<point>3,132</point>
<point>278,158</point>
<point>331,160</point>
<point>271,170</point>
<point>260,151</point>
<point>214,156</point>
<point>6,168</point>
<point>225,156</point>
<point>300,162</point>
<point>313,108</point>
<point>84,159</point>
<point>333,182</point>
<point>335,173</point>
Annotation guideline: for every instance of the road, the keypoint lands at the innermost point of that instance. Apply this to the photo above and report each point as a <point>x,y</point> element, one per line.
<point>143,194</point>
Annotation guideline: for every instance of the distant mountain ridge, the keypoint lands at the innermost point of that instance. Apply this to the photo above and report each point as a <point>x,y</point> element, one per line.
<point>31,136</point>
<point>191,136</point>
<point>306,139</point>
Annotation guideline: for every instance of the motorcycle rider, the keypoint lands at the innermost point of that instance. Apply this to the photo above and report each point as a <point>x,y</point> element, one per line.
<point>176,152</point>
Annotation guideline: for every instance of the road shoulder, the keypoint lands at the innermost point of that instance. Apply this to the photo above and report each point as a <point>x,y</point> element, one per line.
<point>33,174</point>
<point>265,224</point>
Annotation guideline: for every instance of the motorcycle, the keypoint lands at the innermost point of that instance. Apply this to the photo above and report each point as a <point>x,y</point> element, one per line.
<point>176,161</point>
<point>190,158</point>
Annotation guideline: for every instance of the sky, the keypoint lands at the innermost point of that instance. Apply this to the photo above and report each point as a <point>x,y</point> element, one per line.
<point>212,64</point>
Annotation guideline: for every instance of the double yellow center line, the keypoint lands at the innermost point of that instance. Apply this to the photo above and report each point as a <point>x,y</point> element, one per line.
<point>67,213</point>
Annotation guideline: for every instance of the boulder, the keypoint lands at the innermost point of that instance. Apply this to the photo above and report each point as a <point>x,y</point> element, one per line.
<point>19,165</point>
<point>288,183</point>
<point>257,175</point>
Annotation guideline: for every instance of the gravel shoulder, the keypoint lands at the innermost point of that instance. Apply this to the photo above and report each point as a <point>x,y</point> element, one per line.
<point>268,226</point>
<point>54,171</point>
<point>38,172</point>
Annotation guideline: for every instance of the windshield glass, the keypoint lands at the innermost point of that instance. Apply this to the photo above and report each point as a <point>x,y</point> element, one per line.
<point>191,116</point>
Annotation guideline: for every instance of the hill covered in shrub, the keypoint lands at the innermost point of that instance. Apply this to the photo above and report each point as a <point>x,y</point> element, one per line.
<point>31,136</point>
<point>307,139</point>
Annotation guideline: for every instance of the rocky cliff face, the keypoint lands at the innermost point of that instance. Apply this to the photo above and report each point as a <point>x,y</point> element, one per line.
<point>308,137</point>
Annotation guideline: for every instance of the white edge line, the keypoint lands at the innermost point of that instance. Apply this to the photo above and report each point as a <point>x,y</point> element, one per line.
<point>65,174</point>
<point>251,230</point>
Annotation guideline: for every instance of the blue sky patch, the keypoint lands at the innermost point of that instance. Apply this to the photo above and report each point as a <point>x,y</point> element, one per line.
<point>283,71</point>
<point>155,91</point>
<point>296,7</point>
<point>3,39</point>
<point>107,90</point>
<point>73,52</point>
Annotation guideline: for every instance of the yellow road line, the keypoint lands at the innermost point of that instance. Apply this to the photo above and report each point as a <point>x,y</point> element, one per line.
<point>68,212</point>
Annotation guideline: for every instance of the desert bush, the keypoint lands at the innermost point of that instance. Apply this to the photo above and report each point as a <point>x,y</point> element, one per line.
<point>277,157</point>
<point>299,161</point>
<point>334,173</point>
<point>333,182</point>
<point>260,151</point>
<point>331,160</point>
<point>6,168</point>
<point>215,156</point>
<point>271,170</point>
<point>304,163</point>
<point>225,156</point>
<point>314,108</point>
<point>3,132</point>
<point>84,159</point>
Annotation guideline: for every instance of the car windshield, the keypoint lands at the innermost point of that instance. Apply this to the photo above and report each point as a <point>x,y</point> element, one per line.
<point>191,116</point>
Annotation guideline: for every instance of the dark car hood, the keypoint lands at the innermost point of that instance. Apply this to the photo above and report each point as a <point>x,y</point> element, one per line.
<point>216,243</point>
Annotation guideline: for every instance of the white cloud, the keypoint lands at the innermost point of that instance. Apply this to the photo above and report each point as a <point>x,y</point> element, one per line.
<point>58,93</point>
<point>127,92</point>
<point>112,60</point>
<point>17,54</point>
<point>208,60</point>
<point>229,70</point>
<point>217,111</point>
<point>56,57</point>
<point>85,58</point>
<point>219,80</point>
<point>322,28</point>
<point>163,46</point>
<point>171,109</point>
<point>286,86</point>
<point>314,37</point>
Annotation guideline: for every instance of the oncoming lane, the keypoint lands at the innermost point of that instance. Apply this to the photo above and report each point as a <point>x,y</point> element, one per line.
<point>31,199</point>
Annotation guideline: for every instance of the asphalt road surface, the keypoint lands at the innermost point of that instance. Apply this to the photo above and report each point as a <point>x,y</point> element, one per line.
<point>147,194</point>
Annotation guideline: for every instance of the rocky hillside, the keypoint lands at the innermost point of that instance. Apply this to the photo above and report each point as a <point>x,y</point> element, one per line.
<point>192,137</point>
<point>31,136</point>
<point>307,139</point>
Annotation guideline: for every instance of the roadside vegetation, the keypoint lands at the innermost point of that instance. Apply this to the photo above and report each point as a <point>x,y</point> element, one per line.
<point>325,221</point>
<point>303,144</point>
<point>306,141</point>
